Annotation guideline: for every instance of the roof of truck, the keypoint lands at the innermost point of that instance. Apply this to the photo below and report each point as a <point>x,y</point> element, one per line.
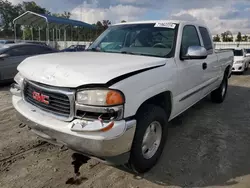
<point>162,21</point>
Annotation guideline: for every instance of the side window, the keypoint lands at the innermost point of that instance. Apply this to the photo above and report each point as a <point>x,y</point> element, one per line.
<point>206,38</point>
<point>190,37</point>
<point>41,50</point>
<point>18,51</point>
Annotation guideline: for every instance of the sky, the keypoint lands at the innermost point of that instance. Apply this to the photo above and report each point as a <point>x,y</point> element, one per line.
<point>218,15</point>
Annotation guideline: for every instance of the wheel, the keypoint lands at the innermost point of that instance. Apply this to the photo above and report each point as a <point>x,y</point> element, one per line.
<point>149,139</point>
<point>219,95</point>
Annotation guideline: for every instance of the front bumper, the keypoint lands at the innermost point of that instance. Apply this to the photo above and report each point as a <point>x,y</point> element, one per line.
<point>112,146</point>
<point>238,67</point>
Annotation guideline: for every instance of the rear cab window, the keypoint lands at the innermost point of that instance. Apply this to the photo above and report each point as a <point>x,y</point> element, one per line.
<point>20,51</point>
<point>206,39</point>
<point>190,37</point>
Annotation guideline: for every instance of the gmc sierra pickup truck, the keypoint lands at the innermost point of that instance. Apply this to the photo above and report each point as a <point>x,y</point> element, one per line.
<point>114,101</point>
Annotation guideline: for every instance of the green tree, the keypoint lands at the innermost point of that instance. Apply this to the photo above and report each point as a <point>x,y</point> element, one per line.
<point>216,38</point>
<point>227,36</point>
<point>245,38</point>
<point>33,7</point>
<point>239,38</point>
<point>8,12</point>
<point>106,23</point>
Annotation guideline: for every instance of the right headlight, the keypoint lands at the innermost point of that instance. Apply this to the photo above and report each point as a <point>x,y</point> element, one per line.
<point>19,79</point>
<point>15,88</point>
<point>106,104</point>
<point>100,97</point>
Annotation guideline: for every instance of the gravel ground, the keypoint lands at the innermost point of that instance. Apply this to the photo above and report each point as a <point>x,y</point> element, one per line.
<point>208,146</point>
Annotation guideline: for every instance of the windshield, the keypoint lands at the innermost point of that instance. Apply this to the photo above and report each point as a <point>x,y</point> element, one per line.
<point>248,51</point>
<point>139,39</point>
<point>238,52</point>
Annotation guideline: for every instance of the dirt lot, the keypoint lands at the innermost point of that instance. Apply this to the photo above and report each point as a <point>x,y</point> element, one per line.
<point>208,146</point>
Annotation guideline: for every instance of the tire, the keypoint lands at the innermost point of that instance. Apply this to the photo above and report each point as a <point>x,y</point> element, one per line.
<point>155,116</point>
<point>219,95</point>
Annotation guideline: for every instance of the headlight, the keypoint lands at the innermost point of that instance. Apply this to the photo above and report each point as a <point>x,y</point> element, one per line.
<point>19,79</point>
<point>239,62</point>
<point>100,97</point>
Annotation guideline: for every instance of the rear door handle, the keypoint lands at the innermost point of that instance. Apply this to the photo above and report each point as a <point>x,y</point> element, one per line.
<point>204,65</point>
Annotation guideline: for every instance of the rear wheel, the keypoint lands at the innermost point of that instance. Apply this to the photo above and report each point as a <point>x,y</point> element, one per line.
<point>219,95</point>
<point>149,140</point>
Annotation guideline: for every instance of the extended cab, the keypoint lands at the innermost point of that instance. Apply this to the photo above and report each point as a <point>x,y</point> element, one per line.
<point>114,101</point>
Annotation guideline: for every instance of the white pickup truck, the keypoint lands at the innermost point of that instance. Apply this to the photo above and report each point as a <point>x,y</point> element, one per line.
<point>114,101</point>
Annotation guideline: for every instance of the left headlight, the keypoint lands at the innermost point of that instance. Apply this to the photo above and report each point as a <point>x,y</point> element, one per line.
<point>100,97</point>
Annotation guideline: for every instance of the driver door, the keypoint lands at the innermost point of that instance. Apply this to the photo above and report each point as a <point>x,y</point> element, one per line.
<point>191,75</point>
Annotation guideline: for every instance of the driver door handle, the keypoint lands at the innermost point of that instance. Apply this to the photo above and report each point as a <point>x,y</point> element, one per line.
<point>204,66</point>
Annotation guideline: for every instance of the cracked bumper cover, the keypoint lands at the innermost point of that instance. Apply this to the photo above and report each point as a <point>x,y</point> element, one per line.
<point>112,146</point>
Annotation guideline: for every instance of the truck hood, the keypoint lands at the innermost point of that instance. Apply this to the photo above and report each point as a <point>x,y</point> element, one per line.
<point>74,69</point>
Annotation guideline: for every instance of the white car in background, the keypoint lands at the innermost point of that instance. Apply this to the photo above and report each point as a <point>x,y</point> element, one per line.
<point>241,61</point>
<point>248,53</point>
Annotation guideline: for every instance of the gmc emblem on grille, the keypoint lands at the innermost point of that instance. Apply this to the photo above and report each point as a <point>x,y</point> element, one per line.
<point>40,97</point>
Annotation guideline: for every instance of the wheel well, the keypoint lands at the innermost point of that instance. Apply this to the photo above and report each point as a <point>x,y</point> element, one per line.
<point>163,100</point>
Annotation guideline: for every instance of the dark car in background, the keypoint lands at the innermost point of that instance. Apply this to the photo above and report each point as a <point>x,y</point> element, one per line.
<point>11,55</point>
<point>75,48</point>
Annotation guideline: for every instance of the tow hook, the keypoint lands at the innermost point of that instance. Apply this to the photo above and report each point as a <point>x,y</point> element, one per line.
<point>78,161</point>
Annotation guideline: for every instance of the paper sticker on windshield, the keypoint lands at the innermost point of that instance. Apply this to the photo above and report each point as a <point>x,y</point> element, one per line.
<point>167,25</point>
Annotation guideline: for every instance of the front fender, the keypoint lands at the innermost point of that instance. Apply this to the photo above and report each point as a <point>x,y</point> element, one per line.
<point>141,87</point>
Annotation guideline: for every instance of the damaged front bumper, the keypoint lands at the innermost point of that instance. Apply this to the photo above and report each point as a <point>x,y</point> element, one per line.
<point>112,146</point>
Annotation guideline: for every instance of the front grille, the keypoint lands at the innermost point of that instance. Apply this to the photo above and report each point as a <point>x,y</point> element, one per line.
<point>56,103</point>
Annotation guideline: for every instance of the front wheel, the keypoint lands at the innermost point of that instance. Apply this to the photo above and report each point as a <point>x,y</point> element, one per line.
<point>149,140</point>
<point>219,95</point>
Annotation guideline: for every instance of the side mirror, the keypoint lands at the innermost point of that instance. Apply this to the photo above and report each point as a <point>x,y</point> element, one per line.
<point>196,52</point>
<point>3,56</point>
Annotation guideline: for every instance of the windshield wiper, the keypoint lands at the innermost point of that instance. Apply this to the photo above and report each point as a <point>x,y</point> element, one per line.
<point>141,54</point>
